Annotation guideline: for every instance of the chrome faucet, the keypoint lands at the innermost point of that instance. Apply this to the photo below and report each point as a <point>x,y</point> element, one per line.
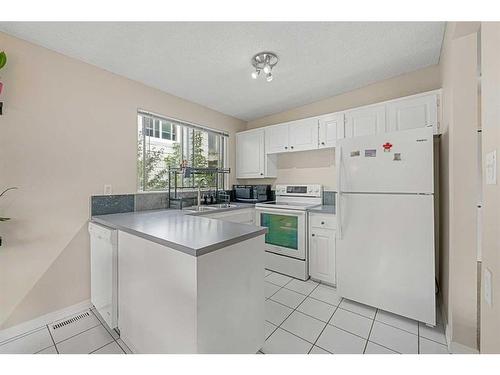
<point>199,192</point>
<point>224,199</point>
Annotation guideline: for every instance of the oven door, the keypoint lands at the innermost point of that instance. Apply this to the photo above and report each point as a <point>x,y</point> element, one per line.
<point>286,231</point>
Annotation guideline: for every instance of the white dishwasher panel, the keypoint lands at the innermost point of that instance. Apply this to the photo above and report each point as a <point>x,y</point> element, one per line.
<point>104,272</point>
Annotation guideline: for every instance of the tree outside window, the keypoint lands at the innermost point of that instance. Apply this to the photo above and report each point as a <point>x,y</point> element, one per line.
<point>167,145</point>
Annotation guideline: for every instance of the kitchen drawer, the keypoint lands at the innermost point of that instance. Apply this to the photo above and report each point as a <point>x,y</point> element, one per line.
<point>322,221</point>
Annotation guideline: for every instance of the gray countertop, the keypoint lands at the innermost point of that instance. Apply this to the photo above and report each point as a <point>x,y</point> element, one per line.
<point>323,209</point>
<point>189,232</point>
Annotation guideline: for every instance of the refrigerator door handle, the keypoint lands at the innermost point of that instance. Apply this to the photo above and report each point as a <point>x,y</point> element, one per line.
<point>339,192</point>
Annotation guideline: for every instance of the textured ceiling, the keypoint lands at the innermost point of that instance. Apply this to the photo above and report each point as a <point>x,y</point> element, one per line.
<point>209,63</point>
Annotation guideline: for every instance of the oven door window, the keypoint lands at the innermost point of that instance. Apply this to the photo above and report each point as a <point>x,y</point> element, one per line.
<point>282,230</point>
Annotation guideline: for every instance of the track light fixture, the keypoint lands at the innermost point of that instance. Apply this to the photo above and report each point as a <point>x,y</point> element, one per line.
<point>264,61</point>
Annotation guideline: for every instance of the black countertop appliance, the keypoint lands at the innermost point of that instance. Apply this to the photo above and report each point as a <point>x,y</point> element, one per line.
<point>252,193</point>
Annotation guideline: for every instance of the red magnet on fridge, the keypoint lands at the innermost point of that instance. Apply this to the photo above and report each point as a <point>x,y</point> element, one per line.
<point>387,147</point>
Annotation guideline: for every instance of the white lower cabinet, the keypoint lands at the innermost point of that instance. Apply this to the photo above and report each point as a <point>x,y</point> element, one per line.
<point>322,249</point>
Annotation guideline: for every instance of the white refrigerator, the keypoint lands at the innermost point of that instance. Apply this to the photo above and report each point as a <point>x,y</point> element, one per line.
<point>385,215</point>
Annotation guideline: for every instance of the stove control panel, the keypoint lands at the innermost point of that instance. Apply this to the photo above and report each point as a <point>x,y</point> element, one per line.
<point>300,190</point>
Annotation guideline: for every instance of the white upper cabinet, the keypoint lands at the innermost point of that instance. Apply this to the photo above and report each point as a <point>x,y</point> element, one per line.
<point>277,138</point>
<point>250,154</point>
<point>257,150</point>
<point>291,136</point>
<point>331,128</point>
<point>365,121</point>
<point>251,160</point>
<point>413,112</point>
<point>303,134</point>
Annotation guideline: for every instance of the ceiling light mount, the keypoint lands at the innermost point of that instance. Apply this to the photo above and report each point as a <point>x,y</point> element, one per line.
<point>264,61</point>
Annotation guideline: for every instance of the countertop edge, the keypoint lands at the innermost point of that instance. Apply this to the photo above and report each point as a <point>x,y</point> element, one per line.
<point>176,246</point>
<point>323,209</point>
<point>232,241</point>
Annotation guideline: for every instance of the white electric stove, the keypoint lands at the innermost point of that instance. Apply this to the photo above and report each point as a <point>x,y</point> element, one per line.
<point>286,220</point>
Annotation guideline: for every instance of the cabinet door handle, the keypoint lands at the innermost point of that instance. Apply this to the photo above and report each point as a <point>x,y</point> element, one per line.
<point>262,174</point>
<point>286,147</point>
<point>322,143</point>
<point>322,223</point>
<point>312,234</point>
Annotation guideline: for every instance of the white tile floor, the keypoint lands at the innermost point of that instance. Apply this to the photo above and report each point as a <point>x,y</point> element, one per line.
<point>301,317</point>
<point>307,317</point>
<point>88,335</point>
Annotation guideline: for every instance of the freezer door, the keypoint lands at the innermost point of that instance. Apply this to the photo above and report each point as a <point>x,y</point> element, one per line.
<point>392,162</point>
<point>386,253</point>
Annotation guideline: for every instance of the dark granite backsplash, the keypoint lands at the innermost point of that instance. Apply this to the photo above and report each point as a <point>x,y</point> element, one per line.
<point>114,204</point>
<point>111,204</point>
<point>151,201</point>
<point>329,198</point>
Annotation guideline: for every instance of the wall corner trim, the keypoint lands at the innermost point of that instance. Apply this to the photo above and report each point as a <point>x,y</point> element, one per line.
<point>454,347</point>
<point>31,325</point>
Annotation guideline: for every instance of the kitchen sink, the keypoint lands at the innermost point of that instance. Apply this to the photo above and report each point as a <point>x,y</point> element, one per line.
<point>223,205</point>
<point>200,209</point>
<point>209,208</point>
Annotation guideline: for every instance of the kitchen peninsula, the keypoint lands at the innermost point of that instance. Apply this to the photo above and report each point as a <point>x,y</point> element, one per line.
<point>189,283</point>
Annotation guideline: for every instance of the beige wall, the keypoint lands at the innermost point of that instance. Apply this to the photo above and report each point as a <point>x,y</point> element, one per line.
<point>307,167</point>
<point>490,92</point>
<point>459,70</point>
<point>68,128</point>
<point>318,167</point>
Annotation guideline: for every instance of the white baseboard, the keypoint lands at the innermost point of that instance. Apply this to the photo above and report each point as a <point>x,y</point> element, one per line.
<point>30,325</point>
<point>456,348</point>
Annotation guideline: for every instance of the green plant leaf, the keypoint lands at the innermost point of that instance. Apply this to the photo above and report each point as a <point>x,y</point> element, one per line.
<point>3,59</point>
